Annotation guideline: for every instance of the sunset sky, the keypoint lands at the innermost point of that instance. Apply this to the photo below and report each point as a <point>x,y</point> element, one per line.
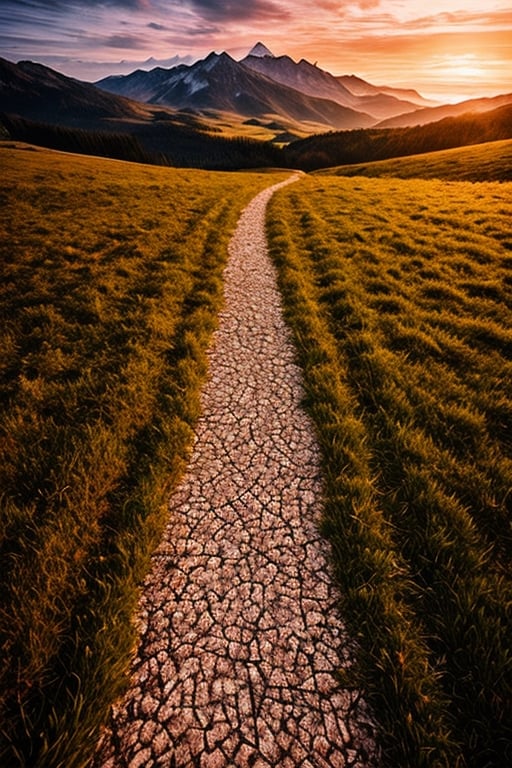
<point>447,49</point>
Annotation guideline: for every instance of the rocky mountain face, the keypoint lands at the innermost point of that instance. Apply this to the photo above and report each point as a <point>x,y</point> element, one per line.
<point>260,50</point>
<point>314,81</point>
<point>219,83</point>
<point>264,84</point>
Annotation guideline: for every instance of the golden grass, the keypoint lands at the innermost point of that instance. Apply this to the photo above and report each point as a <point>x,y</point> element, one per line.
<point>399,293</point>
<point>484,162</point>
<point>111,282</point>
<point>264,128</point>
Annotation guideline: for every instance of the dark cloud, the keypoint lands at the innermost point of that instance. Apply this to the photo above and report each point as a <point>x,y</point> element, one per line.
<point>239,10</point>
<point>158,27</point>
<point>198,31</point>
<point>69,5</point>
<point>124,41</point>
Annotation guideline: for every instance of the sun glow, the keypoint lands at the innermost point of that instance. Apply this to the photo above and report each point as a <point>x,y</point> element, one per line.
<point>459,76</point>
<point>465,66</point>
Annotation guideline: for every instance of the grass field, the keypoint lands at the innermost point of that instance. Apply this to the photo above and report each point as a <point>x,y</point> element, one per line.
<point>484,162</point>
<point>111,282</point>
<point>268,128</point>
<point>400,297</point>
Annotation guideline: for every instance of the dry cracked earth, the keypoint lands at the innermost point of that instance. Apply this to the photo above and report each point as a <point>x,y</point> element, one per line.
<point>240,634</point>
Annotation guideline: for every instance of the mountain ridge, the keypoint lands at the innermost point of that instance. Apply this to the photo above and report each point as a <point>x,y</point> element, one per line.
<point>317,94</point>
<point>178,87</point>
<point>434,114</point>
<point>222,84</point>
<point>361,87</point>
<point>314,81</point>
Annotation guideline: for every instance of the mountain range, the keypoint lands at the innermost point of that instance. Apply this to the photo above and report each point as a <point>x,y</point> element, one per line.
<point>188,113</point>
<point>259,86</point>
<point>262,84</point>
<point>220,84</point>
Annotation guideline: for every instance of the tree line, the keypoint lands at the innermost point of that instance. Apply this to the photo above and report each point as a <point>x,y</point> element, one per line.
<point>154,144</point>
<point>162,143</point>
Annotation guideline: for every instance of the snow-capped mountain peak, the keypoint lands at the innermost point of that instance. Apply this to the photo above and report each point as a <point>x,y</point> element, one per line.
<point>260,50</point>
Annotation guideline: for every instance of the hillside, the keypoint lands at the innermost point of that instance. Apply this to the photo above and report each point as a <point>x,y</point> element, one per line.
<point>434,114</point>
<point>39,93</point>
<point>484,162</point>
<point>165,144</point>
<point>349,147</point>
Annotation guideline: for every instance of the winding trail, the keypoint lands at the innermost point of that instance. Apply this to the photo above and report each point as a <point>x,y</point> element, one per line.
<point>240,636</point>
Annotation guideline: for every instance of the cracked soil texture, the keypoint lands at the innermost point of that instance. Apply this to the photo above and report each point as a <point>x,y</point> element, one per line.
<point>240,634</point>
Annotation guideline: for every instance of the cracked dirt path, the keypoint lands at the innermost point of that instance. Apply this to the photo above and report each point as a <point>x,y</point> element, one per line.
<point>240,636</point>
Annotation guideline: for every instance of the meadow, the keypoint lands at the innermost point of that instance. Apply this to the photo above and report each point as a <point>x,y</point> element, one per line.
<point>399,296</point>
<point>111,284</point>
<point>483,162</point>
<point>399,293</point>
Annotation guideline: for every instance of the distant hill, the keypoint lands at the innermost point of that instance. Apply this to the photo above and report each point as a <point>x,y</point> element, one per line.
<point>434,114</point>
<point>482,162</point>
<point>161,143</point>
<point>37,92</point>
<point>360,87</point>
<point>349,147</point>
